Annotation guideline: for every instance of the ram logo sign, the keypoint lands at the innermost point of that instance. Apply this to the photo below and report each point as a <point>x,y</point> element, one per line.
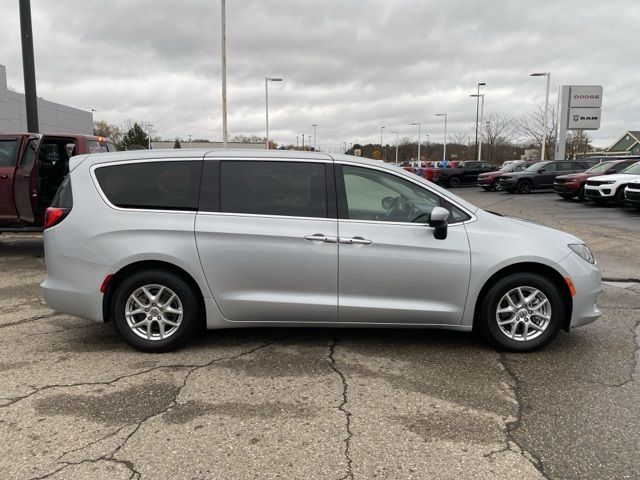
<point>584,119</point>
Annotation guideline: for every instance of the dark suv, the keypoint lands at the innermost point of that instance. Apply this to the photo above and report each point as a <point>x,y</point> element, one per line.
<point>465,174</point>
<point>542,175</point>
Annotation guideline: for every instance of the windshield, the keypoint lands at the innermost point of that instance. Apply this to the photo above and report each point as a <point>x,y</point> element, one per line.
<point>601,167</point>
<point>633,169</point>
<point>536,166</point>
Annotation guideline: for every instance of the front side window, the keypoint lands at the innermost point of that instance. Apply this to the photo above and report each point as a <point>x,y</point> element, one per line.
<point>296,189</point>
<point>8,152</point>
<point>379,196</point>
<point>162,185</point>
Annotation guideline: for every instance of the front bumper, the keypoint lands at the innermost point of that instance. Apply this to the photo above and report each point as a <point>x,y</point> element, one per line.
<point>509,184</point>
<point>566,187</point>
<point>586,279</point>
<point>485,182</point>
<point>601,191</point>
<point>632,196</point>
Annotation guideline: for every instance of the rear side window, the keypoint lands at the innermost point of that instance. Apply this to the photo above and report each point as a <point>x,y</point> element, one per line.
<point>296,189</point>
<point>168,185</point>
<point>8,151</point>
<point>64,196</point>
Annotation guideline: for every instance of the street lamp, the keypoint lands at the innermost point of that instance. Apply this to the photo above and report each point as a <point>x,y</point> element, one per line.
<point>477,111</point>
<point>149,126</point>
<point>546,109</point>
<point>444,147</point>
<point>315,125</point>
<point>428,137</point>
<point>225,135</point>
<point>418,141</point>
<point>303,142</point>
<point>345,147</point>
<point>266,101</point>
<point>479,143</point>
<point>396,132</point>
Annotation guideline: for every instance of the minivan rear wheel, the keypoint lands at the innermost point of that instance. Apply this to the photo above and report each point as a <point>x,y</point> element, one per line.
<point>155,311</point>
<point>522,312</point>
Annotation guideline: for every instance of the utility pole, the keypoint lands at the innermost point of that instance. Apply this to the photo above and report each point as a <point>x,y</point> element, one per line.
<point>28,67</point>
<point>225,135</point>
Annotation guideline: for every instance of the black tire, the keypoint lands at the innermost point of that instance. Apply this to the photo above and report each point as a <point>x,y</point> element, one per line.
<point>524,186</point>
<point>619,198</point>
<point>191,314</point>
<point>581,195</point>
<point>496,186</point>
<point>488,323</point>
<point>454,182</point>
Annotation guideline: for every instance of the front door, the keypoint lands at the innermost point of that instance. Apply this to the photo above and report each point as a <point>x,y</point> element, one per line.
<point>9,148</point>
<point>25,182</point>
<point>269,247</point>
<point>548,176</point>
<point>392,269</point>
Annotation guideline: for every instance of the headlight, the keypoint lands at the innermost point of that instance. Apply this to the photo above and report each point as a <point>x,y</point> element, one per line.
<point>584,252</point>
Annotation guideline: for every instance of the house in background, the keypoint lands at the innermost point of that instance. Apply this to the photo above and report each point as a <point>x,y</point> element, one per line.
<point>627,144</point>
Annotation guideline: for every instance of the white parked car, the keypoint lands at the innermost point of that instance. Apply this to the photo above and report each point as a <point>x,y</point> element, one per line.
<point>632,193</point>
<point>606,188</point>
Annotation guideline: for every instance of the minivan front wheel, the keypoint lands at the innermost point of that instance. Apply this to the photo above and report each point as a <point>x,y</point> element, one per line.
<point>522,312</point>
<point>155,311</point>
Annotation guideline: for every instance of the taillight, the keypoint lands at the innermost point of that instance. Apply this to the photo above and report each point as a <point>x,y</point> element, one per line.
<point>54,216</point>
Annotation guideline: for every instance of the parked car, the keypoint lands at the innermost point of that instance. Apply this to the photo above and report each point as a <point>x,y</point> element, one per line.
<point>456,176</point>
<point>490,180</point>
<point>572,185</point>
<point>541,175</point>
<point>632,193</point>
<point>32,168</point>
<point>610,188</point>
<point>161,243</point>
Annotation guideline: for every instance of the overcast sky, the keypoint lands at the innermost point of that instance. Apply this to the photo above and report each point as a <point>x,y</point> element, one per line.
<point>349,66</point>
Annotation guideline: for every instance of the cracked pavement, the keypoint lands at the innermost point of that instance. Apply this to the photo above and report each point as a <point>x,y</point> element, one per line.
<point>76,402</point>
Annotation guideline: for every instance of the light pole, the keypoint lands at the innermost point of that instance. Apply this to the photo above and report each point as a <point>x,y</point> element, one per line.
<point>427,149</point>
<point>546,110</point>
<point>418,142</point>
<point>315,126</point>
<point>396,132</point>
<point>266,101</point>
<point>385,150</point>
<point>297,144</point>
<point>303,142</point>
<point>477,112</point>
<point>149,126</point>
<point>479,141</point>
<point>444,147</point>
<point>225,135</point>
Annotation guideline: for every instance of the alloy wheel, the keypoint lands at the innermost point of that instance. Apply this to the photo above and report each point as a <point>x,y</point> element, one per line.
<point>154,312</point>
<point>523,313</point>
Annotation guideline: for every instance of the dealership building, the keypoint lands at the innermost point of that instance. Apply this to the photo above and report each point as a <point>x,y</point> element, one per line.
<point>52,117</point>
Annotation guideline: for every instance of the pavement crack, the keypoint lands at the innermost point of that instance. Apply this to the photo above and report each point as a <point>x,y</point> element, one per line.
<point>514,425</point>
<point>31,319</point>
<point>9,401</point>
<point>341,407</point>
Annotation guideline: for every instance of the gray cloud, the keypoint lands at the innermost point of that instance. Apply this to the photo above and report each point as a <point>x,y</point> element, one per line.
<point>348,66</point>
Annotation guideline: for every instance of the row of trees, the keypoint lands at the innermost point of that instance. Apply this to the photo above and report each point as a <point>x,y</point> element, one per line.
<point>503,138</point>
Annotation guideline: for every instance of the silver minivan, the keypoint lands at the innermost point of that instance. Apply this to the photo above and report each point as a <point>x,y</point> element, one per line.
<point>161,243</point>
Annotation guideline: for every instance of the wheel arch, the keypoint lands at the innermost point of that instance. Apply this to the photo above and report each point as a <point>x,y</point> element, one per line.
<point>527,267</point>
<point>120,275</point>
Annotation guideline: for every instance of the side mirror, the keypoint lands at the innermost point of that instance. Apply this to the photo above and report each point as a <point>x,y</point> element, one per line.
<point>439,221</point>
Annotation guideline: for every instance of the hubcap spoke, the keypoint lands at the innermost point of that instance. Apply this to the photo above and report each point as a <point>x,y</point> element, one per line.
<point>146,312</point>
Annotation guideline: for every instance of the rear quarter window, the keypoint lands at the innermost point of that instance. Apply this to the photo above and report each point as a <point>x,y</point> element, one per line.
<point>162,185</point>
<point>8,152</point>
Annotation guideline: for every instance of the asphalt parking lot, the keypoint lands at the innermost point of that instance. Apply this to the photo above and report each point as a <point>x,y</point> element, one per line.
<point>76,402</point>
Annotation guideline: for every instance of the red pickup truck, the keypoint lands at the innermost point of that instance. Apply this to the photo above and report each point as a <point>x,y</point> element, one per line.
<point>32,167</point>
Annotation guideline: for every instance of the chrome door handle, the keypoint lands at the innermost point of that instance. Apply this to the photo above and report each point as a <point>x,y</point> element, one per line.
<point>355,241</point>
<point>4,176</point>
<point>320,237</point>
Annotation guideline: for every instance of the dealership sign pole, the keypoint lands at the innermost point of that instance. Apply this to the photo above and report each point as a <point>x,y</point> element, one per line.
<point>579,108</point>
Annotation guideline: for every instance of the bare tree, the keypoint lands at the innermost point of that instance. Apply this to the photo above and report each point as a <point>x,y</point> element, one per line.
<point>459,146</point>
<point>578,143</point>
<point>530,127</point>
<point>498,133</point>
